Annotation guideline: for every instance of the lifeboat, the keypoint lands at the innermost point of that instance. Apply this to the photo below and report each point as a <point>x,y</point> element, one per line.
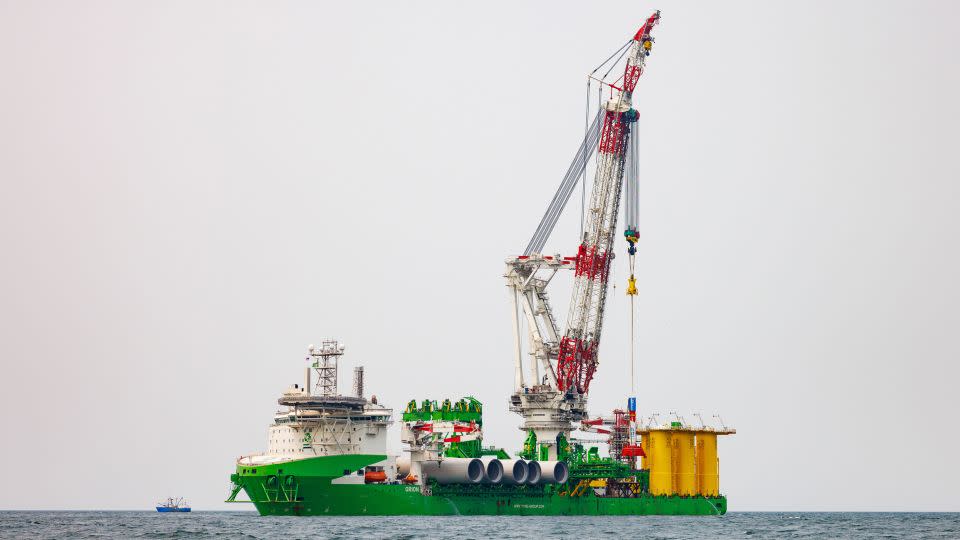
<point>372,477</point>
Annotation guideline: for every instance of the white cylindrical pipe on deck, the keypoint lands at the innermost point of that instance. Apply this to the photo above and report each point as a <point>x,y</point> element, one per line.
<point>492,470</point>
<point>515,471</point>
<point>553,472</point>
<point>455,471</point>
<point>533,472</point>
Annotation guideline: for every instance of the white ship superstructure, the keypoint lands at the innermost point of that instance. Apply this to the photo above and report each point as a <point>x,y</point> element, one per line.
<point>322,422</point>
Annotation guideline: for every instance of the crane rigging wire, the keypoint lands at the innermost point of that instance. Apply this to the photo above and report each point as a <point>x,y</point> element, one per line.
<point>577,170</point>
<point>612,66</point>
<point>583,182</point>
<point>567,185</point>
<point>583,175</point>
<point>631,218</point>
<point>619,51</point>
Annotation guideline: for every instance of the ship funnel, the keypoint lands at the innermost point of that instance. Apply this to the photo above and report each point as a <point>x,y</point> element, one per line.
<point>493,470</point>
<point>533,472</point>
<point>554,472</point>
<point>358,381</point>
<point>515,471</point>
<point>455,470</point>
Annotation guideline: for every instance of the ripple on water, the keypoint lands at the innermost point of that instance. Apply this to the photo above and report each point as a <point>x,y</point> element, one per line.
<point>56,525</point>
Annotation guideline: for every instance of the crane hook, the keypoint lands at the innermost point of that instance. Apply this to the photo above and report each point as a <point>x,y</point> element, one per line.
<point>631,286</point>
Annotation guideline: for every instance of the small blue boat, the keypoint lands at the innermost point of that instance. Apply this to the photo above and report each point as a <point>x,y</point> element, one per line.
<point>173,505</point>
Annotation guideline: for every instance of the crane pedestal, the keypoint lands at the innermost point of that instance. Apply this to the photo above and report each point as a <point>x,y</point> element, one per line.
<point>548,413</point>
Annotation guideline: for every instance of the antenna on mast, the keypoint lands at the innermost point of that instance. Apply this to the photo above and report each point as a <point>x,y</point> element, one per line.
<point>324,362</point>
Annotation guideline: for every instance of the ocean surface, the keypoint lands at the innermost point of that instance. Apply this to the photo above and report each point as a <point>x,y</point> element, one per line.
<point>250,525</point>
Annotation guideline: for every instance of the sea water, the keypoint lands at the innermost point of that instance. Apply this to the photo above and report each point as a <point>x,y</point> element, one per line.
<point>250,525</point>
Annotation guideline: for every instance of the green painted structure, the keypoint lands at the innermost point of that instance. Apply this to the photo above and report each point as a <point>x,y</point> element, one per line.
<point>306,487</point>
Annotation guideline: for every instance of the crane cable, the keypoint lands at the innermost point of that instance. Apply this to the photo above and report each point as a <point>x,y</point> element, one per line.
<point>577,170</point>
<point>633,339</point>
<point>586,121</point>
<point>631,284</point>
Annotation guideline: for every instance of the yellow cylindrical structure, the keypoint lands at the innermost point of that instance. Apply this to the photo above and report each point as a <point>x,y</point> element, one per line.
<point>708,464</point>
<point>685,463</point>
<point>660,461</point>
<point>645,444</point>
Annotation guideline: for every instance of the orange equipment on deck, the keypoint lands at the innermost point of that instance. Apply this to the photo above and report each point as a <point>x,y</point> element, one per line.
<point>372,477</point>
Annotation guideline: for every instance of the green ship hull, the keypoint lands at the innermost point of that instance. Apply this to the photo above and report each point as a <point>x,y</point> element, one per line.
<point>306,487</point>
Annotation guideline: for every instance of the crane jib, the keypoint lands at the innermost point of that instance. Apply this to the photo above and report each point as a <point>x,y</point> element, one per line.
<point>576,358</point>
<point>577,351</point>
<point>569,359</point>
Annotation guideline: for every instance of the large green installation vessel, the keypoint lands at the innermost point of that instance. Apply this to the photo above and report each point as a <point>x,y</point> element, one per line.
<point>305,487</point>
<point>353,484</point>
<point>327,454</point>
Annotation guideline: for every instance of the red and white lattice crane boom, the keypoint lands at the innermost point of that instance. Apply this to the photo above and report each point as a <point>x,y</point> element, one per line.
<point>577,359</point>
<point>551,403</point>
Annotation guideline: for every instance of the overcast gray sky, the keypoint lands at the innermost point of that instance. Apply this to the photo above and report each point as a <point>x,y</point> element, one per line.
<point>192,192</point>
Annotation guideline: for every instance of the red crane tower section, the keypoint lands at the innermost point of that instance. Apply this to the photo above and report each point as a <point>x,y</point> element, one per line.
<point>577,355</point>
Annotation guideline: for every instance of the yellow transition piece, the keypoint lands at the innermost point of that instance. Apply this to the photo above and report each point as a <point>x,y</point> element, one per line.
<point>708,464</point>
<point>684,464</point>
<point>682,461</point>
